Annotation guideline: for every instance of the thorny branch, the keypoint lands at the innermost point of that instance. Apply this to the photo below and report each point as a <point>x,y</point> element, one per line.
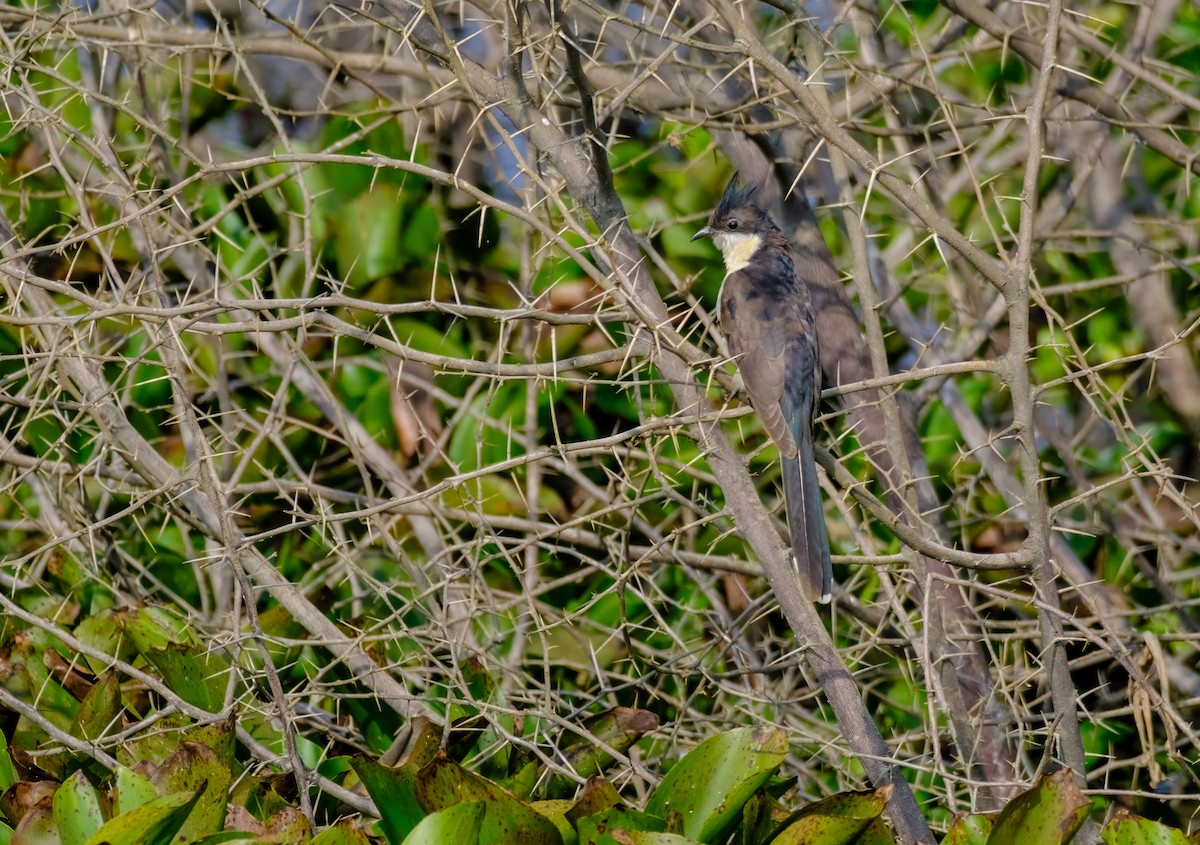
<point>188,241</point>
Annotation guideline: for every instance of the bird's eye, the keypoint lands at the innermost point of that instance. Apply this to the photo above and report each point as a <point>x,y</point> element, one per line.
<point>732,224</point>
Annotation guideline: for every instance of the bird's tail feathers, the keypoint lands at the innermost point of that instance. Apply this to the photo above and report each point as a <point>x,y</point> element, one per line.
<point>806,520</point>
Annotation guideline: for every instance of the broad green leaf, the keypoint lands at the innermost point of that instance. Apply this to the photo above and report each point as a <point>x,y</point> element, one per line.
<point>522,782</point>
<point>250,262</point>
<point>837,820</point>
<point>1049,813</point>
<point>973,829</point>
<point>428,743</point>
<point>130,790</point>
<point>877,833</point>
<point>394,797</point>
<point>197,675</point>
<point>556,811</point>
<point>221,737</point>
<point>28,674</point>
<point>288,826</point>
<point>596,796</point>
<point>1128,829</point>
<point>99,709</point>
<point>157,745</point>
<point>77,810</point>
<point>368,239</point>
<point>10,141</point>
<point>156,628</point>
<point>601,828</point>
<point>260,795</point>
<point>344,833</point>
<point>443,783</point>
<point>578,647</point>
<point>709,786</point>
<point>37,826</point>
<point>227,836</point>
<point>459,825</point>
<point>677,243</point>
<point>154,823</point>
<point>422,233</point>
<point>8,772</point>
<point>73,577</point>
<point>196,767</point>
<point>493,494</point>
<point>617,728</point>
<point>426,338</point>
<point>757,822</point>
<point>647,837</point>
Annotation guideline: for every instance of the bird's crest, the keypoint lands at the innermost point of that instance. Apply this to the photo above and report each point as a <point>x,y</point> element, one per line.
<point>737,195</point>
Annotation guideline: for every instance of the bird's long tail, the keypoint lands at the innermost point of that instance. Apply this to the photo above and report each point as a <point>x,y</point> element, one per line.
<point>806,519</point>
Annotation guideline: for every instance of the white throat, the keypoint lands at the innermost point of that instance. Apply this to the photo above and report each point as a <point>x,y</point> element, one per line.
<point>737,249</point>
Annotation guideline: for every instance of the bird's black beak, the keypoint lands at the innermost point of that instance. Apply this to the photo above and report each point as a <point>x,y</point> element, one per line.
<point>706,232</point>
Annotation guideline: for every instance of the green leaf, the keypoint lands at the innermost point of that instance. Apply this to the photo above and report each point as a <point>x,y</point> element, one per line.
<point>596,796</point>
<point>28,662</point>
<point>677,243</point>
<point>8,772</point>
<point>1128,829</point>
<point>99,709</point>
<point>646,837</point>
<point>427,338</point>
<point>394,797</point>
<point>154,823</point>
<point>601,829</point>
<point>131,790</point>
<point>10,140</point>
<point>154,746</point>
<point>195,766</point>
<point>837,820</point>
<point>556,811</point>
<point>260,795</point>
<point>522,782</point>
<point>287,826</point>
<point>37,826</point>
<point>876,833</point>
<point>368,242</point>
<point>459,824</point>
<point>77,810</point>
<point>197,675</point>
<point>757,824</point>
<point>221,737</point>
<point>157,627</point>
<point>443,783</point>
<point>709,786</point>
<point>422,233</point>
<point>226,836</point>
<point>1049,813</point>
<point>971,829</point>
<point>343,833</point>
<point>617,728</point>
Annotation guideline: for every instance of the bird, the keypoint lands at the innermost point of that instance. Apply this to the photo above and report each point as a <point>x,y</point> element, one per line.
<point>766,315</point>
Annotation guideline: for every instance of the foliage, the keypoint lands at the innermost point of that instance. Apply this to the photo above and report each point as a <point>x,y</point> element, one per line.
<point>333,424</point>
<point>433,799</point>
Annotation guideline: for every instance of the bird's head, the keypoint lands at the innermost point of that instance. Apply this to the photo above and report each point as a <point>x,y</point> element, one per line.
<point>737,226</point>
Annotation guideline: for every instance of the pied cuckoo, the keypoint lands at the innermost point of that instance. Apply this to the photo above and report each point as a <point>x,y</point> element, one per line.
<point>766,316</point>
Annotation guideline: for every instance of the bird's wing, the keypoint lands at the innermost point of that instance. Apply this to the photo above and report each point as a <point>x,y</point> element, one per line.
<point>757,328</point>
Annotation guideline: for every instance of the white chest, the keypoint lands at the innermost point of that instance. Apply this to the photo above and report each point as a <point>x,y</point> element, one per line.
<point>737,249</point>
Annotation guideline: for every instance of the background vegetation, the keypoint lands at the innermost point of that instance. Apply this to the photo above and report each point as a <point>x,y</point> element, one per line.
<point>358,377</point>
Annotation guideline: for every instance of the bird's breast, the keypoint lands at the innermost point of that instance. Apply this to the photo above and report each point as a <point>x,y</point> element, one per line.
<point>738,250</point>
